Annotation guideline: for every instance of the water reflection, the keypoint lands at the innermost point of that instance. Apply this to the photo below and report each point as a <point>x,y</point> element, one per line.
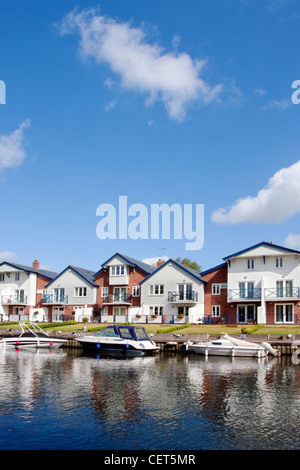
<point>66,400</point>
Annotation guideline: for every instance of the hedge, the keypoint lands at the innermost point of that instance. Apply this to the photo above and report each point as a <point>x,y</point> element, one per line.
<point>173,328</point>
<point>252,329</point>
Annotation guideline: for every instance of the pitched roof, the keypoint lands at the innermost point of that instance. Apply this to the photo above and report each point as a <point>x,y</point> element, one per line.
<point>30,269</point>
<point>213,269</point>
<point>189,270</point>
<point>268,244</point>
<point>86,274</point>
<point>146,268</point>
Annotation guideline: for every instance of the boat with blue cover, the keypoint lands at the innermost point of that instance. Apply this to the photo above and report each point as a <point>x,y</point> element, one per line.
<point>128,340</point>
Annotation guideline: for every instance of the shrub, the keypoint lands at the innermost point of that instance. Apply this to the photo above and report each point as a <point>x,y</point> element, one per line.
<point>252,329</point>
<point>173,328</point>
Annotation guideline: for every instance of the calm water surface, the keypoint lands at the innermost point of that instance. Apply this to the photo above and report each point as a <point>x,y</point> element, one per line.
<point>64,400</point>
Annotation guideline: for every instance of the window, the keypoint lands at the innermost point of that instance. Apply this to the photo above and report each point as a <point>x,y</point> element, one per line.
<point>279,262</point>
<point>105,291</point>
<point>135,291</point>
<point>216,289</point>
<point>284,313</point>
<point>17,276</point>
<point>20,296</point>
<point>80,292</point>
<point>117,270</point>
<point>250,263</point>
<point>1,277</point>
<point>120,311</point>
<point>215,310</point>
<point>104,310</point>
<point>284,289</point>
<point>183,310</point>
<point>156,310</point>
<point>156,289</point>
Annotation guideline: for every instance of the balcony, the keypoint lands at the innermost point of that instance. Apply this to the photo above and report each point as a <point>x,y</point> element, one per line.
<point>282,293</point>
<point>117,299</point>
<point>244,294</point>
<point>14,299</point>
<point>55,299</point>
<point>183,297</point>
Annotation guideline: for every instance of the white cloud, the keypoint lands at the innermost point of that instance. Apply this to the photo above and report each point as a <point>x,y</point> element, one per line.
<point>7,255</point>
<point>169,77</point>
<point>12,153</point>
<point>276,202</point>
<point>153,261</point>
<point>277,104</point>
<point>292,241</point>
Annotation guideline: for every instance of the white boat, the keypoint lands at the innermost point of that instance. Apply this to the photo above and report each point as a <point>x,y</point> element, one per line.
<point>228,346</point>
<point>127,340</point>
<point>32,336</point>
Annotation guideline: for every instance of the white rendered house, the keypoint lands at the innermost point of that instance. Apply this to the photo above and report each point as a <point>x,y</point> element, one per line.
<point>264,284</point>
<point>21,289</point>
<point>173,293</point>
<point>71,295</point>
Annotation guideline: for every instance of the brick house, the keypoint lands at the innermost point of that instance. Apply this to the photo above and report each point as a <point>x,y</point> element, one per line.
<point>216,307</point>
<point>118,295</point>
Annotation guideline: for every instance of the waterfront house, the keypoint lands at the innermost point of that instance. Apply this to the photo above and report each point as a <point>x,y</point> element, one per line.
<point>21,291</point>
<point>71,295</point>
<point>263,284</point>
<point>173,293</point>
<point>118,297</point>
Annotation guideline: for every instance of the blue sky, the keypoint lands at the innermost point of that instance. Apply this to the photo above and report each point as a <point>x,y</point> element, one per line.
<point>161,101</point>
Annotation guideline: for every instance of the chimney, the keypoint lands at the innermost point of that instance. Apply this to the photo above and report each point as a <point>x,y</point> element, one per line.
<point>159,263</point>
<point>36,264</point>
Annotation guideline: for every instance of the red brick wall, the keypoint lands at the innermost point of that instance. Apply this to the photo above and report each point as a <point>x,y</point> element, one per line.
<point>217,276</point>
<point>135,277</point>
<point>270,312</point>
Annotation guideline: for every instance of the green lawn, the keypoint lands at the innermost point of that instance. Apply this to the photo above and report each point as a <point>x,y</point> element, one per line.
<point>209,329</point>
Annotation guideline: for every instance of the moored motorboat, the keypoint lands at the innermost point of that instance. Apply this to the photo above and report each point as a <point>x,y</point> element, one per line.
<point>128,340</point>
<point>32,336</point>
<point>229,346</point>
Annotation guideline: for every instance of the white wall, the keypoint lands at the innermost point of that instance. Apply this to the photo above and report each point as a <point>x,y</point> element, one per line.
<point>170,275</point>
<point>69,280</point>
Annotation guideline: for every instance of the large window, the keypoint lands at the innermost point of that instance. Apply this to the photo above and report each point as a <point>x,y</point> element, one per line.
<point>284,313</point>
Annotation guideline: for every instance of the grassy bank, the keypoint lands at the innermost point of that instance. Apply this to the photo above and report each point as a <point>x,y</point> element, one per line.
<point>208,329</point>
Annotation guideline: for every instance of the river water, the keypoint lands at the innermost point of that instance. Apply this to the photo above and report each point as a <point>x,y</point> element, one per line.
<point>66,400</point>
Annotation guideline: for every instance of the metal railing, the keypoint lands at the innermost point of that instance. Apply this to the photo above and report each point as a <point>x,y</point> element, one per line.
<point>117,298</point>
<point>55,299</point>
<point>282,293</point>
<point>177,296</point>
<point>247,294</point>
<point>14,299</point>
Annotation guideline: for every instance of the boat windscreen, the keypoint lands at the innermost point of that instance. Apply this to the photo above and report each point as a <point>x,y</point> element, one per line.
<point>109,331</point>
<point>126,333</point>
<point>141,333</point>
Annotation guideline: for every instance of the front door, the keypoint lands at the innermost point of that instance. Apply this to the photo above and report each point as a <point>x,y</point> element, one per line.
<point>246,313</point>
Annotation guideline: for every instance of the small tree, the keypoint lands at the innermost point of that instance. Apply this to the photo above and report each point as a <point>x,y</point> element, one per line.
<point>191,264</point>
